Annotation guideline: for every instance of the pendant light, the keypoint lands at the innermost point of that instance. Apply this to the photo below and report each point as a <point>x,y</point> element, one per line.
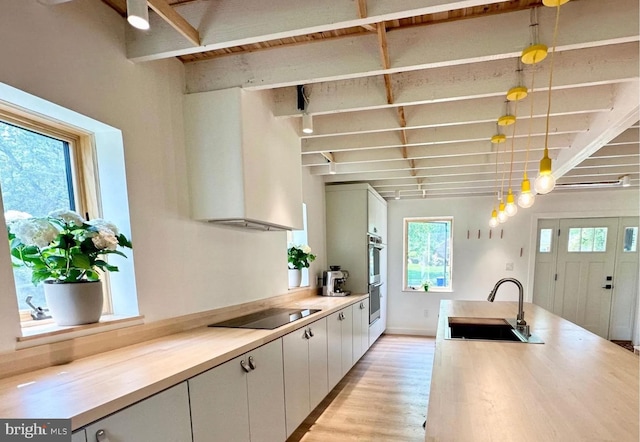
<point>138,14</point>
<point>502,214</point>
<point>545,182</point>
<point>332,168</point>
<point>493,221</point>
<point>532,55</point>
<point>511,207</point>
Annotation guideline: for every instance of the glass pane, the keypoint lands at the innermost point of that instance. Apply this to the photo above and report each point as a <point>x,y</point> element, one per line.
<point>428,254</point>
<point>586,241</point>
<point>574,239</point>
<point>630,239</point>
<point>34,179</point>
<point>545,240</point>
<point>600,239</point>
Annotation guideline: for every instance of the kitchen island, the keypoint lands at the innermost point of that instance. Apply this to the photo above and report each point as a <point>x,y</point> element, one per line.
<point>574,387</point>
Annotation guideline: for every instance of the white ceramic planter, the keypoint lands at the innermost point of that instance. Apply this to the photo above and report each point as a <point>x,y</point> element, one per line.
<point>295,278</point>
<point>74,303</point>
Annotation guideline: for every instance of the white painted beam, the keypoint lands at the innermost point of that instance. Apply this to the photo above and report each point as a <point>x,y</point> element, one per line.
<point>495,37</point>
<point>567,124</point>
<point>228,23</point>
<point>581,67</point>
<point>567,102</point>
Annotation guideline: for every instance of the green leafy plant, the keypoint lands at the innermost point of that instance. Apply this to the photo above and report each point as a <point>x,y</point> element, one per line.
<point>300,257</point>
<point>62,246</point>
<point>425,286</point>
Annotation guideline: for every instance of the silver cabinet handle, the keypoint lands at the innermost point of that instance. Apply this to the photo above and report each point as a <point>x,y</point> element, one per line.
<point>101,436</point>
<point>362,306</point>
<point>310,333</point>
<point>306,334</point>
<point>341,316</point>
<point>244,366</point>
<point>252,363</point>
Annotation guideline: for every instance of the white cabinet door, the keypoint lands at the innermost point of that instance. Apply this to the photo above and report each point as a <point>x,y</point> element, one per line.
<point>360,329</point>
<point>266,394</point>
<point>79,436</point>
<point>347,340</point>
<point>334,348</point>
<point>305,371</point>
<point>230,404</point>
<point>163,417</point>
<point>219,403</point>
<point>318,373</point>
<point>295,347</point>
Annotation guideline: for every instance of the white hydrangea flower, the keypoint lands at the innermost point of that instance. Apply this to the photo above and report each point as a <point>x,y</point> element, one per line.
<point>34,232</point>
<point>101,225</point>
<point>306,249</point>
<point>68,216</point>
<point>105,239</point>
<point>15,215</point>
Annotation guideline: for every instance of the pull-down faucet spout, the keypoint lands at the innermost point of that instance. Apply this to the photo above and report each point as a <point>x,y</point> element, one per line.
<point>520,322</point>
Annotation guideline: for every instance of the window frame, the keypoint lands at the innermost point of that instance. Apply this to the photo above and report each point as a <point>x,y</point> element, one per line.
<point>405,251</point>
<point>83,161</point>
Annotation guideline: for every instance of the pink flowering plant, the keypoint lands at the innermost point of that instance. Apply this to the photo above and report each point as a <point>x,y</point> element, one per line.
<point>63,247</point>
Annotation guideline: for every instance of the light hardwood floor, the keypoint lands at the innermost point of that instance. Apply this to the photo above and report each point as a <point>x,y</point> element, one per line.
<point>383,398</point>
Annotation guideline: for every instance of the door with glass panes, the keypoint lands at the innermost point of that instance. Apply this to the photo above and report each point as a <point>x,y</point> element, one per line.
<point>582,273</point>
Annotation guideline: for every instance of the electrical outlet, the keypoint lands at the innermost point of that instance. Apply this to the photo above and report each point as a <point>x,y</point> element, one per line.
<point>509,267</point>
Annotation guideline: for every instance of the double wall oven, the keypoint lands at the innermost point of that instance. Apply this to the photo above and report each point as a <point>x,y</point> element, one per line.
<point>375,248</point>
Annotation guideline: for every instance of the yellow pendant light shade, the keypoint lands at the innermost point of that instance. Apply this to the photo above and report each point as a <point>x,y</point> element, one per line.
<point>517,93</point>
<point>502,214</point>
<point>511,208</point>
<point>506,120</point>
<point>545,182</point>
<point>526,197</point>
<point>534,54</point>
<point>553,3</point>
<point>498,138</point>
<point>493,222</point>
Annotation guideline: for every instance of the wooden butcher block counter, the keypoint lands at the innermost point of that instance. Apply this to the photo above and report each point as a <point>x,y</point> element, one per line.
<point>575,386</point>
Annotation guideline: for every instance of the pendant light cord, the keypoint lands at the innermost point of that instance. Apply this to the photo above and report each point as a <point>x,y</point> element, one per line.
<point>553,51</point>
<point>513,141</point>
<point>526,155</point>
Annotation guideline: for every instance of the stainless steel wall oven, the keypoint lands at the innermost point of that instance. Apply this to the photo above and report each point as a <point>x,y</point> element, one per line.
<point>375,248</point>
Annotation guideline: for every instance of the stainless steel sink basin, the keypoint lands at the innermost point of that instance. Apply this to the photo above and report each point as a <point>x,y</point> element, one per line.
<point>487,329</point>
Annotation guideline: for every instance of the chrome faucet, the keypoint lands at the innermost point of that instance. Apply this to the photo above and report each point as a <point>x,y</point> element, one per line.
<point>521,324</point>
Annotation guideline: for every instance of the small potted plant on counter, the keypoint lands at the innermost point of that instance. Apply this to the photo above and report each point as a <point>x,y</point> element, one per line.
<point>425,286</point>
<point>298,257</point>
<point>66,253</point>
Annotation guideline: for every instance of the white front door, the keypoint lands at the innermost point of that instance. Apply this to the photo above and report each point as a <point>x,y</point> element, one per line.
<point>586,259</point>
<point>625,288</point>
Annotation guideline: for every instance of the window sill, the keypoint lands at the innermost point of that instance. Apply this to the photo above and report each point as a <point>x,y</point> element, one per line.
<point>48,332</point>
<point>431,290</point>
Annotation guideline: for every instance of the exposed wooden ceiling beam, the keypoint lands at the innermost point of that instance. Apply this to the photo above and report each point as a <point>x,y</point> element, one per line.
<point>328,156</point>
<point>164,10</point>
<point>362,13</point>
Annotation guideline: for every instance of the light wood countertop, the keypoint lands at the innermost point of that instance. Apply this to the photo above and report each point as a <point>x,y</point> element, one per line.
<point>88,389</point>
<point>574,387</point>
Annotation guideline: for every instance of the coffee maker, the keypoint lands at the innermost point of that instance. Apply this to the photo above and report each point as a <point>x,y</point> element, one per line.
<point>333,282</point>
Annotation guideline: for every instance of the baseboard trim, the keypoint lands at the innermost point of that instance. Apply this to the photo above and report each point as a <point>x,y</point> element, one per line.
<point>410,331</point>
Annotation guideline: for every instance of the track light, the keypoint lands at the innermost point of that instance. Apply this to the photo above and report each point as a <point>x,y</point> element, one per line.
<point>307,123</point>
<point>332,168</point>
<point>138,14</point>
<point>625,181</point>
<point>397,195</point>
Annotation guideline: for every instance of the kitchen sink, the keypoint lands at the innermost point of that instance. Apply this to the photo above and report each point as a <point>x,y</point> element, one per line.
<point>487,329</point>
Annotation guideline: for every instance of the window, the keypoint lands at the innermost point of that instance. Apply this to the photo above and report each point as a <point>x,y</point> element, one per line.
<point>299,238</point>
<point>427,253</point>
<point>587,239</point>
<point>630,239</point>
<point>546,236</point>
<point>39,173</point>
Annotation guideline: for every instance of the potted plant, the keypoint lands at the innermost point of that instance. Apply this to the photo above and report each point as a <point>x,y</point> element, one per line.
<point>298,257</point>
<point>67,254</point>
<point>425,286</point>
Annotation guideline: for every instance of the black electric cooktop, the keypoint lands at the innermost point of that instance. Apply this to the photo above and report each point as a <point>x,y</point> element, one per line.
<point>268,319</point>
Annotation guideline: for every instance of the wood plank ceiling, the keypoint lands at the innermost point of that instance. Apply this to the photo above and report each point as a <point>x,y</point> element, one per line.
<point>406,95</point>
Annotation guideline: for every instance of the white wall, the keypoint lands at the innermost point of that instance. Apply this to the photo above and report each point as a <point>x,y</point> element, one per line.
<point>73,54</point>
<point>479,263</point>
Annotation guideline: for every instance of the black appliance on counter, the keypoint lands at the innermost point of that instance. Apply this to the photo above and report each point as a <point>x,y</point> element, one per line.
<point>268,319</point>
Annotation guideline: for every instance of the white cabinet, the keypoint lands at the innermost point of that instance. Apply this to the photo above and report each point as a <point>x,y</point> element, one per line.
<point>241,400</point>
<point>79,436</point>
<point>377,215</point>
<point>340,344</point>
<point>360,329</point>
<point>244,164</point>
<point>305,371</point>
<point>163,417</point>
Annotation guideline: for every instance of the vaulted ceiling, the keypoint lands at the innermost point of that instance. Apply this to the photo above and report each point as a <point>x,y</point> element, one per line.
<point>406,94</point>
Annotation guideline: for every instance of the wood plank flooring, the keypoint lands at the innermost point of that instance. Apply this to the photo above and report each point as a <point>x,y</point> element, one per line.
<point>383,398</point>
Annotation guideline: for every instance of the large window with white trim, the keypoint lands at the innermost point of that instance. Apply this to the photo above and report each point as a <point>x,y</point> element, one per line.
<point>428,253</point>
